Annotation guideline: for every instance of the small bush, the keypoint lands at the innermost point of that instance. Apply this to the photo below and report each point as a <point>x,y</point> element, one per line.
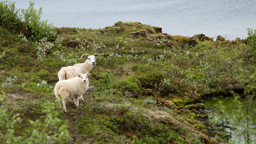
<point>252,38</point>
<point>26,21</point>
<point>9,16</point>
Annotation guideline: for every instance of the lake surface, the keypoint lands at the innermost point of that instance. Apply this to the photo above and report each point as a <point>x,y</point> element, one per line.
<point>228,18</point>
<point>230,115</point>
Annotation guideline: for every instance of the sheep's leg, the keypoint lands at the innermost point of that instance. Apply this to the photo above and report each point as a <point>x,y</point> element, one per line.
<point>64,105</point>
<point>58,99</point>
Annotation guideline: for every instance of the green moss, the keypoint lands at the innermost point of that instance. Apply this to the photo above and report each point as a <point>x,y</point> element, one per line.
<point>183,101</point>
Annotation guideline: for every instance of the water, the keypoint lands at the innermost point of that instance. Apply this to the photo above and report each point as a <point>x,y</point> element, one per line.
<point>229,18</point>
<point>232,113</point>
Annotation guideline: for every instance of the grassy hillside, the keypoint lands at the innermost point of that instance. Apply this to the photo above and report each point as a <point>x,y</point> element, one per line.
<point>148,84</point>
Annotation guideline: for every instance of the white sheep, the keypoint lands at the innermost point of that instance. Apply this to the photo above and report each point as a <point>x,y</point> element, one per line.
<point>80,68</point>
<point>72,88</point>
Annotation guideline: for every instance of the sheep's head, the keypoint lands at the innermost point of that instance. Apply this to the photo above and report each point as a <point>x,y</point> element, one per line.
<point>84,77</point>
<point>90,59</point>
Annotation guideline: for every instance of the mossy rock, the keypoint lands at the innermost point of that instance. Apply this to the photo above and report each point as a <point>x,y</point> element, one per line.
<point>220,38</point>
<point>167,103</point>
<point>183,101</point>
<point>185,40</point>
<point>158,29</point>
<point>195,106</point>
<point>178,101</point>
<point>201,37</point>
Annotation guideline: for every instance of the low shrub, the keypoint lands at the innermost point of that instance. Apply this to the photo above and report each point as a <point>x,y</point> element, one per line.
<point>251,40</point>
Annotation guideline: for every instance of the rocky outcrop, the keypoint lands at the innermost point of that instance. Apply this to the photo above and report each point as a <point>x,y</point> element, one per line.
<point>201,37</point>
<point>220,38</point>
<point>158,29</point>
<point>185,40</point>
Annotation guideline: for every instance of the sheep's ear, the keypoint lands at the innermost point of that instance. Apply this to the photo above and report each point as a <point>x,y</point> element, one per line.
<point>79,75</point>
<point>96,54</point>
<point>84,55</point>
<point>88,73</point>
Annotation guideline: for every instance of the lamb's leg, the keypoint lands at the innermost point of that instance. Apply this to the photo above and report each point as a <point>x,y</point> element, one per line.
<point>81,97</point>
<point>77,102</point>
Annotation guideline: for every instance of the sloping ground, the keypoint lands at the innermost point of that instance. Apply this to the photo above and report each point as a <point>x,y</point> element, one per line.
<point>146,83</point>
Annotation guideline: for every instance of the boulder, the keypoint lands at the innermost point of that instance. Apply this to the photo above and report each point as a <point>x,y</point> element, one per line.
<point>220,38</point>
<point>201,37</point>
<point>158,29</point>
<point>185,40</point>
<point>166,103</point>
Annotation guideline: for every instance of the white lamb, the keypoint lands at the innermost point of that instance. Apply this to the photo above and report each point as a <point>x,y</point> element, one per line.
<point>80,68</point>
<point>71,88</point>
